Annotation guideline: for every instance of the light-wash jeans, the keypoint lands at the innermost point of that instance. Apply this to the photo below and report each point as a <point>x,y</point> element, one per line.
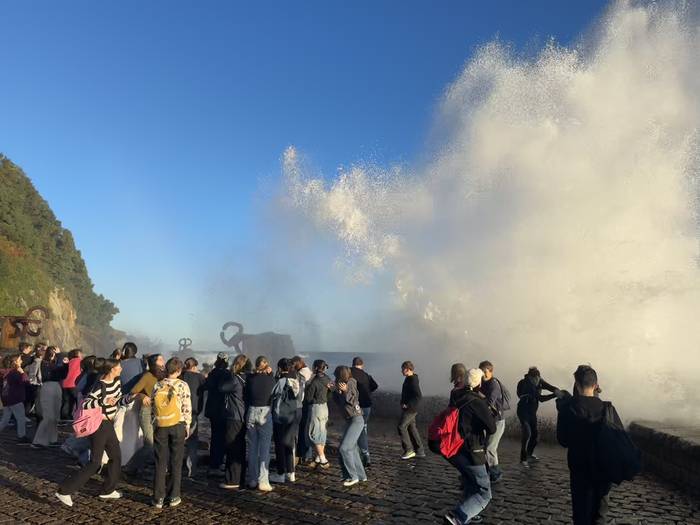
<point>477,487</point>
<point>259,434</point>
<point>492,442</point>
<point>350,460</point>
<point>318,423</point>
<point>363,442</point>
<point>16,410</point>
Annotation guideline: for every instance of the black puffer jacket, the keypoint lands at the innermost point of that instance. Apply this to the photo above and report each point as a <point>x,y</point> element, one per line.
<point>215,398</point>
<point>476,420</point>
<point>233,389</point>
<point>530,395</point>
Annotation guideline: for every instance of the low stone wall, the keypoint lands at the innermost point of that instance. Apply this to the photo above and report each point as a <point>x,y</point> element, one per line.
<point>671,453</point>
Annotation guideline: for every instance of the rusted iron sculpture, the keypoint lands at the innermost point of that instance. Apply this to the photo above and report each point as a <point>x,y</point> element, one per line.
<point>236,339</point>
<point>185,344</point>
<point>16,328</point>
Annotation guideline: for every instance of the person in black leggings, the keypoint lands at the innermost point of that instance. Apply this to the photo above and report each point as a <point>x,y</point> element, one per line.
<point>529,397</point>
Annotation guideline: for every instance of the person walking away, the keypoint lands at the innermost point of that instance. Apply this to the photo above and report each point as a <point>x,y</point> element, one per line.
<point>530,396</point>
<point>107,396</point>
<point>50,398</point>
<point>195,381</point>
<point>142,391</point>
<point>172,414</point>
<point>410,401</point>
<point>498,398</point>
<point>234,413</point>
<point>304,451</point>
<point>365,386</point>
<point>348,398</point>
<point>579,420</point>
<point>132,366</point>
<point>70,392</point>
<point>258,394</point>
<point>285,419</point>
<point>32,405</point>
<point>476,421</point>
<point>214,410</point>
<point>13,394</point>
<point>318,390</point>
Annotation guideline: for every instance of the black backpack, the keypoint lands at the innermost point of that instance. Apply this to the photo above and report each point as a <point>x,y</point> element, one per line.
<point>615,457</point>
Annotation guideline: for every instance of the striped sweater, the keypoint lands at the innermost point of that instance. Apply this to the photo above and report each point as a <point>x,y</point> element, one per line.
<point>98,395</point>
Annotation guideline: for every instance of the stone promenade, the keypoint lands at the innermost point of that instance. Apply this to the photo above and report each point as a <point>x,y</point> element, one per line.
<point>416,491</point>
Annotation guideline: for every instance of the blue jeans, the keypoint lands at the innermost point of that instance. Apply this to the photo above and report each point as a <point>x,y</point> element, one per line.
<point>477,487</point>
<point>259,434</point>
<point>363,442</point>
<point>350,460</point>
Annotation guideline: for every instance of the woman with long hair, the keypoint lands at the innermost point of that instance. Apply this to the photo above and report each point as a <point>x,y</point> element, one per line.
<point>53,371</point>
<point>348,398</point>
<point>107,396</point>
<point>258,395</point>
<point>318,389</point>
<point>234,413</point>
<point>214,411</point>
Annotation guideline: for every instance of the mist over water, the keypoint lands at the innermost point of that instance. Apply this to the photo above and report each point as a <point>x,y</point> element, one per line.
<point>556,223</point>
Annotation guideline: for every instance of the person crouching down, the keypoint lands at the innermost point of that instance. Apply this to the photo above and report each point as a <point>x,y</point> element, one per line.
<point>476,421</point>
<point>172,414</point>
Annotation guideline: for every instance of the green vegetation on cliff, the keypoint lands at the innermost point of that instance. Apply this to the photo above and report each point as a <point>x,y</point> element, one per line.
<point>37,254</point>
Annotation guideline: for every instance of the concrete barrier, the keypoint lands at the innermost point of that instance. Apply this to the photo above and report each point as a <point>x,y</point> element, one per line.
<point>671,452</point>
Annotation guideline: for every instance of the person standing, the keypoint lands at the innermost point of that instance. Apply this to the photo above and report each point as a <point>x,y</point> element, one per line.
<point>318,390</point>
<point>499,400</point>
<point>258,394</point>
<point>14,392</point>
<point>52,373</point>
<point>476,421</point>
<point>172,414</point>
<point>579,419</point>
<point>214,410</point>
<point>107,396</point>
<point>142,391</point>
<point>234,414</point>
<point>410,401</point>
<point>132,366</point>
<point>365,386</point>
<point>285,419</point>
<point>529,398</point>
<point>195,381</point>
<point>70,392</point>
<point>32,406</point>
<point>304,448</point>
<point>348,398</point>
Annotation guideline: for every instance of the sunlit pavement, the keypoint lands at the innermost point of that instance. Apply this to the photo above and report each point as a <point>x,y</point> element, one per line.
<point>415,491</point>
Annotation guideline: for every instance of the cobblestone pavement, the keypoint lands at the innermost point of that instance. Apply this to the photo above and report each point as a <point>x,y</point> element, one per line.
<point>416,491</point>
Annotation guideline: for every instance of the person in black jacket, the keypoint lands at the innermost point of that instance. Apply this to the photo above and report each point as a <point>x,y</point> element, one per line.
<point>233,389</point>
<point>365,386</point>
<point>195,380</point>
<point>579,418</point>
<point>410,401</point>
<point>476,422</point>
<point>214,410</point>
<point>529,397</point>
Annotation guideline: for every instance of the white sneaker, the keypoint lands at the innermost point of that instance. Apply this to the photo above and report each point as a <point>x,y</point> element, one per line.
<point>350,482</point>
<point>409,455</point>
<point>525,464</point>
<point>277,478</point>
<point>112,495</point>
<point>264,487</point>
<point>65,499</point>
<point>291,477</point>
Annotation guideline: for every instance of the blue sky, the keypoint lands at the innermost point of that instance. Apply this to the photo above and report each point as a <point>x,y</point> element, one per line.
<point>155,129</point>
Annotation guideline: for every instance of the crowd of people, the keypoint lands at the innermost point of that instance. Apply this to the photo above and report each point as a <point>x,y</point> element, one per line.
<point>146,409</point>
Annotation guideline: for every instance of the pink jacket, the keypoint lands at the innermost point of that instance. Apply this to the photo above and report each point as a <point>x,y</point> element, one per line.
<point>73,373</point>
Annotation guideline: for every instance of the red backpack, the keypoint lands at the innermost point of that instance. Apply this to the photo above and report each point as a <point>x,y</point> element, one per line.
<point>443,433</point>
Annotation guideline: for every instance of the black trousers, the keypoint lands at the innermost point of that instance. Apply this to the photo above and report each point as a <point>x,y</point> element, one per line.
<point>103,440</point>
<point>304,448</point>
<point>285,435</point>
<point>217,443</point>
<point>169,449</point>
<point>235,452</point>
<point>589,499</point>
<point>410,438</point>
<point>528,435</point>
<point>69,398</point>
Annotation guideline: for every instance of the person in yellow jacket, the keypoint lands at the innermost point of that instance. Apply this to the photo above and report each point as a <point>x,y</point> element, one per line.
<point>171,407</point>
